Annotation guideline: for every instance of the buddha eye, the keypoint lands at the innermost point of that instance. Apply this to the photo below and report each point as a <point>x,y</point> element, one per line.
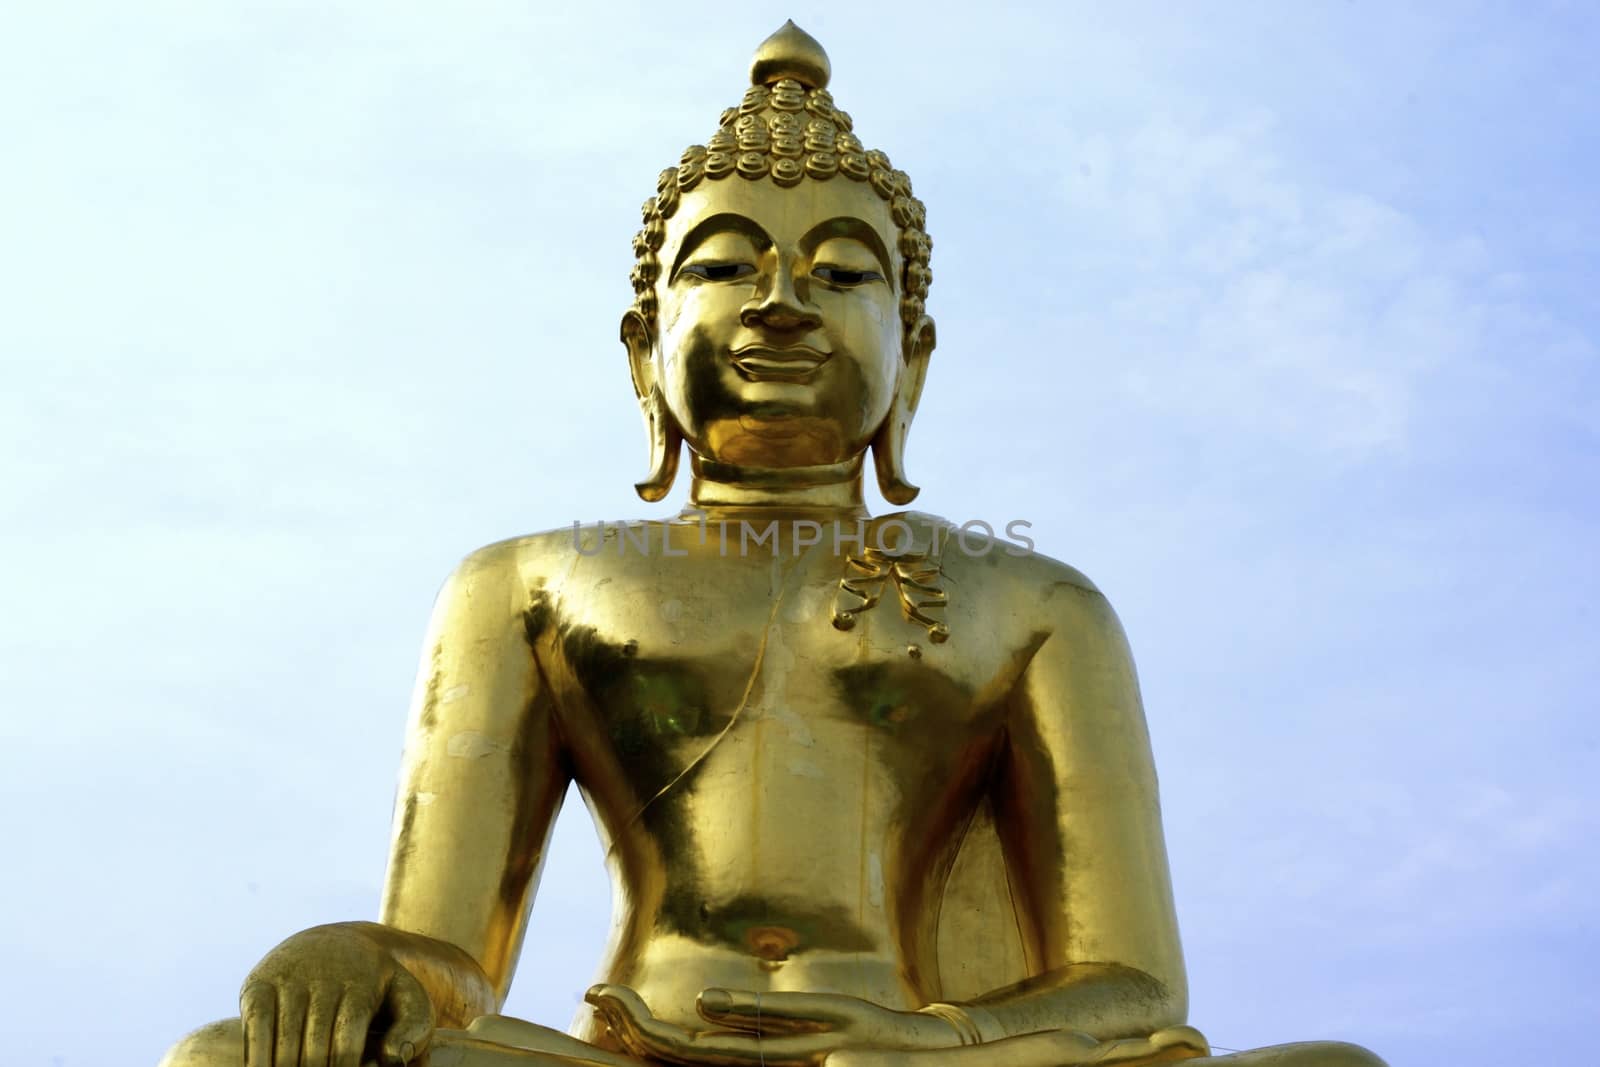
<point>719,272</point>
<point>844,278</point>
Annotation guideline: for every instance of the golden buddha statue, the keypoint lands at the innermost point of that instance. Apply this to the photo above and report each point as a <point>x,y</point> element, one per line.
<point>874,792</point>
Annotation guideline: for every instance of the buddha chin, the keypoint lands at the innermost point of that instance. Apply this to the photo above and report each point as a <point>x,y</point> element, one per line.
<point>772,437</point>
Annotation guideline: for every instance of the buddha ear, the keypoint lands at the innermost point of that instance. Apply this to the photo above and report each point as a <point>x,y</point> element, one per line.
<point>889,446</point>
<point>665,439</point>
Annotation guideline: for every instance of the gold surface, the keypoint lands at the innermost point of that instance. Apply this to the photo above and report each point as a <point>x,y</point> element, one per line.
<point>872,793</point>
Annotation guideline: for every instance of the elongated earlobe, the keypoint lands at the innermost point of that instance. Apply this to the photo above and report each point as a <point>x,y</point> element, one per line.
<point>665,447</point>
<point>889,445</point>
<point>888,460</point>
<point>666,442</point>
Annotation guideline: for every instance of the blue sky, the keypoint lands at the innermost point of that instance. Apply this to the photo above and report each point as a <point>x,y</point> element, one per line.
<point>1277,320</point>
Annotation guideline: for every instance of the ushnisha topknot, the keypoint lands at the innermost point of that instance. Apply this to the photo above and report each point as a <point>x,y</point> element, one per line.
<point>787,129</point>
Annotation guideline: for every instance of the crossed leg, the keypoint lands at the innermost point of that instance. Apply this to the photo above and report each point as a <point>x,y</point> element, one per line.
<point>1069,1048</point>
<point>495,1041</point>
<point>221,1044</point>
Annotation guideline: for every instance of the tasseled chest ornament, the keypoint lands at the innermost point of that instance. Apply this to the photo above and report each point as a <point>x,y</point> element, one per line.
<point>896,551</point>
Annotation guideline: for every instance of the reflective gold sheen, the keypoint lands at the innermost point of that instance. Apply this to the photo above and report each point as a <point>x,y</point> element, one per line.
<point>873,793</point>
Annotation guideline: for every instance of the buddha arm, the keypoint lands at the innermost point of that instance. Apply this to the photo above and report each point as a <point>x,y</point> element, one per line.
<point>1081,830</point>
<point>480,785</point>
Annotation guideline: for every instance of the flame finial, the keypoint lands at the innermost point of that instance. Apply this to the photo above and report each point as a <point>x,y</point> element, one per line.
<point>790,53</point>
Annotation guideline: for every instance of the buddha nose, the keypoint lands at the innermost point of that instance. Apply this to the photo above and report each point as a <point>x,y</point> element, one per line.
<point>779,306</point>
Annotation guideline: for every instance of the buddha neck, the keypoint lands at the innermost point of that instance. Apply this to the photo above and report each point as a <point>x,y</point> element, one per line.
<point>832,487</point>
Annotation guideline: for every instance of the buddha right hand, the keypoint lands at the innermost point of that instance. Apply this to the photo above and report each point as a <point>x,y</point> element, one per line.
<point>313,1000</point>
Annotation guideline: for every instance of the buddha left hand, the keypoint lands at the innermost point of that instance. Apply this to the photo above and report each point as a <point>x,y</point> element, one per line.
<point>775,1029</point>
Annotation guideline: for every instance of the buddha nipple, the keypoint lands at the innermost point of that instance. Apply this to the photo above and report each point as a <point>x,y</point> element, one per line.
<point>790,53</point>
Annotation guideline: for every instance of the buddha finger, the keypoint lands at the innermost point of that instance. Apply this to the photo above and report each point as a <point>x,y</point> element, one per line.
<point>622,1011</point>
<point>660,1040</point>
<point>627,1034</point>
<point>258,1011</point>
<point>881,1057</point>
<point>648,1037</point>
<point>617,1001</point>
<point>411,1015</point>
<point>778,1013</point>
<point>291,1028</point>
<point>351,1026</point>
<point>640,1032</point>
<point>754,1050</point>
<point>322,1005</point>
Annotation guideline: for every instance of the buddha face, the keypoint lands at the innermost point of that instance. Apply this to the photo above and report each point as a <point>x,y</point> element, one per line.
<point>778,338</point>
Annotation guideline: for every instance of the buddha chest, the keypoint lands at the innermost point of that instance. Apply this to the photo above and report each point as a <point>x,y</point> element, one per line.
<point>675,661</point>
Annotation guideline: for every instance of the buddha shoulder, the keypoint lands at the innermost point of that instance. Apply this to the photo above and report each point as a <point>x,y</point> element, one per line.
<point>547,554</point>
<point>541,561</point>
<point>1040,593</point>
<point>529,559</point>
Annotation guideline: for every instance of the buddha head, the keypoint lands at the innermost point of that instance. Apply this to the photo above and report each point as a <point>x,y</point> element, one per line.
<point>779,279</point>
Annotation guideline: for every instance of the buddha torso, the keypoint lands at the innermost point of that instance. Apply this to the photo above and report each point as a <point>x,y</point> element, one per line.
<point>729,737</point>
